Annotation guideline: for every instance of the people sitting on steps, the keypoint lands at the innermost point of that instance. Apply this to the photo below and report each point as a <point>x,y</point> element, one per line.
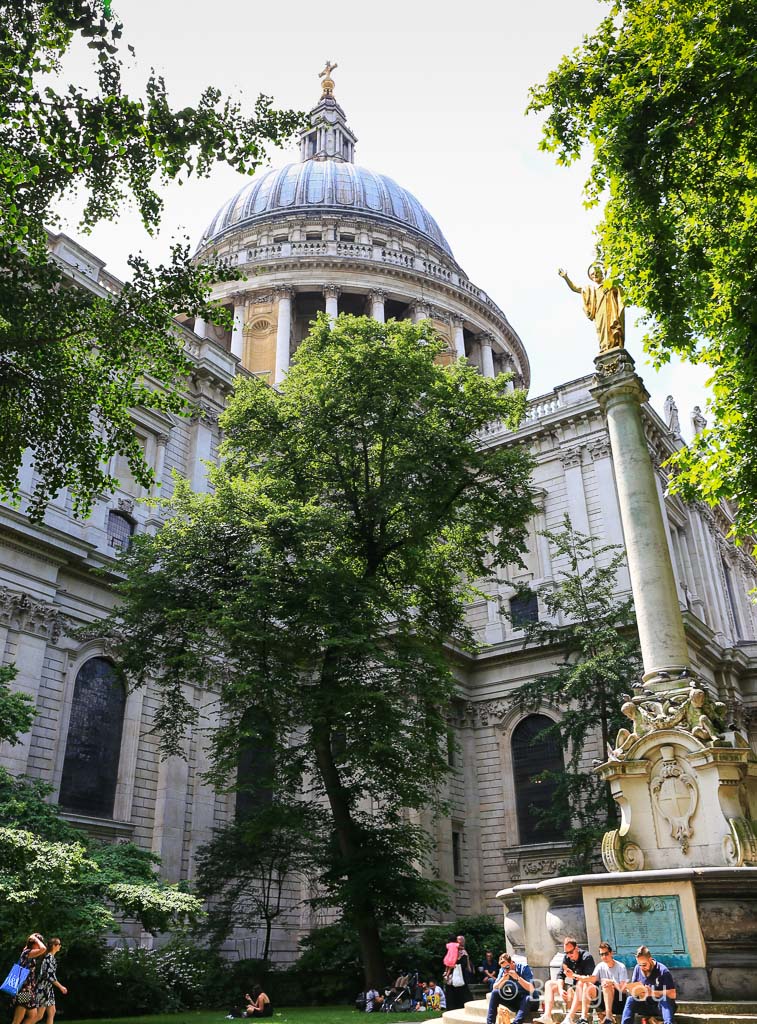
<point>508,1002</point>
<point>612,977</point>
<point>573,985</point>
<point>651,991</point>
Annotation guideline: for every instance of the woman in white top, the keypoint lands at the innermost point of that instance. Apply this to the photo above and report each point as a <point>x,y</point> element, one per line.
<point>612,976</point>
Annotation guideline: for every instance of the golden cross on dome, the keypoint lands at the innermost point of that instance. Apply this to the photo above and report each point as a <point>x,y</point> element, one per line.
<point>328,81</point>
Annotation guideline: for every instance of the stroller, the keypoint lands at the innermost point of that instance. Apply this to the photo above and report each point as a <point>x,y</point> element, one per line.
<point>399,998</point>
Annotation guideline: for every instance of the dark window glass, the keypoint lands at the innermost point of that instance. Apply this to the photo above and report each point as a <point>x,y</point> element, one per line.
<point>93,747</point>
<point>120,529</point>
<point>255,772</point>
<point>533,755</point>
<point>457,853</point>
<point>524,608</point>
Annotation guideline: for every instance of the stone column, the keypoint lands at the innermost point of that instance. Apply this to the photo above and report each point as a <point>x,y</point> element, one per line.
<point>283,332</point>
<point>237,331</point>
<point>620,394</point>
<point>160,461</point>
<point>377,298</point>
<point>487,359</point>
<point>205,418</point>
<point>170,816</point>
<point>418,312</point>
<point>332,294</point>
<point>458,337</point>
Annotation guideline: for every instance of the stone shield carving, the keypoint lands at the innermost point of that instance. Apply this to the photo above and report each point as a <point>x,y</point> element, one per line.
<point>674,797</point>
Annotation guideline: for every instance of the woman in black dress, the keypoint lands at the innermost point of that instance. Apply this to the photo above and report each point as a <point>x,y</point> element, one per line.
<point>25,1003</point>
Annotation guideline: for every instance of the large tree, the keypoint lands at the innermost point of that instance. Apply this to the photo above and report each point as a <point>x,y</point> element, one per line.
<point>592,630</point>
<point>317,586</point>
<point>74,363</point>
<point>662,96</point>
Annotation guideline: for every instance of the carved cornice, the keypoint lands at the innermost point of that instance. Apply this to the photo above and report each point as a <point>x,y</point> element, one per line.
<point>206,412</point>
<point>21,613</point>
<point>571,457</point>
<point>601,449</point>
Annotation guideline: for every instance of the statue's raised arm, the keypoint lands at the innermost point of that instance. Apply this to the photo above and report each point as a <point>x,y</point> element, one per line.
<point>564,275</point>
<point>604,305</point>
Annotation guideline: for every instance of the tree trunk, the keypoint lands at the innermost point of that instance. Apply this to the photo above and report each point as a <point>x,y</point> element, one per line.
<point>364,916</point>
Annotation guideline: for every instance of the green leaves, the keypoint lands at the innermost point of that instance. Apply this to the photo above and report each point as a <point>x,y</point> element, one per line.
<point>317,588</point>
<point>76,885</point>
<point>73,365</point>
<point>663,96</point>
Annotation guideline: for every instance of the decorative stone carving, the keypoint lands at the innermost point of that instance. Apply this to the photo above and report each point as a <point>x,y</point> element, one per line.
<point>740,845</point>
<point>600,449</point>
<point>571,457</point>
<point>698,421</point>
<point>487,710</point>
<point>670,709</point>
<point>619,854</point>
<point>203,410</point>
<point>671,416</point>
<point>126,505</point>
<point>21,613</point>
<point>674,796</point>
<point>332,291</point>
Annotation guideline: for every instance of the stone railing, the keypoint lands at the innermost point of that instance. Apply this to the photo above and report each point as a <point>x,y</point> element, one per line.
<point>535,410</point>
<point>369,253</point>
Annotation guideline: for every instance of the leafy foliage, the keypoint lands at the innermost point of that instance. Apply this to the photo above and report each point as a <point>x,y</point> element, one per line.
<point>245,869</point>
<point>71,884</point>
<point>663,95</point>
<point>16,708</point>
<point>595,633</point>
<point>316,589</point>
<point>75,363</point>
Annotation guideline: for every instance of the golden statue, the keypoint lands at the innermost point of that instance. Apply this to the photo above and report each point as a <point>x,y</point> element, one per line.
<point>328,81</point>
<point>603,305</point>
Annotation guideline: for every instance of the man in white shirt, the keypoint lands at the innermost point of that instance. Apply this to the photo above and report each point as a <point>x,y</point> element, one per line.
<point>612,976</point>
<point>434,997</point>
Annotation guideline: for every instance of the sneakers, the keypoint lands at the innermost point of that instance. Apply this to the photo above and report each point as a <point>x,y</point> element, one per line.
<point>544,1019</point>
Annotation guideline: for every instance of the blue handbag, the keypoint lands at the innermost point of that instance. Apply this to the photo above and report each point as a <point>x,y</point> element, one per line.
<point>15,980</point>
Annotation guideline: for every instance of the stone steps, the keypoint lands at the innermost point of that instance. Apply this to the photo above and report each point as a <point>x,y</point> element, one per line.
<point>688,1013</point>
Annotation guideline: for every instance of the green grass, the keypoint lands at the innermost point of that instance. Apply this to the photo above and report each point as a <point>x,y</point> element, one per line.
<point>295,1015</point>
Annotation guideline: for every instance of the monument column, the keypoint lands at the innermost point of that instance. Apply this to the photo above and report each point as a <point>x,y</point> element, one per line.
<point>458,337</point>
<point>332,294</point>
<point>377,298</point>
<point>620,394</point>
<point>283,332</point>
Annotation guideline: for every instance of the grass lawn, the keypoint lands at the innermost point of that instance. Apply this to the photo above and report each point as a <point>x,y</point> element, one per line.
<point>296,1015</point>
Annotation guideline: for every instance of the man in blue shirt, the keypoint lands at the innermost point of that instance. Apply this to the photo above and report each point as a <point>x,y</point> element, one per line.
<point>652,991</point>
<point>514,985</point>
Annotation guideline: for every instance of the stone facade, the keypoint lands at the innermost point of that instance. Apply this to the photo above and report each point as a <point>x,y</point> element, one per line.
<point>363,260</point>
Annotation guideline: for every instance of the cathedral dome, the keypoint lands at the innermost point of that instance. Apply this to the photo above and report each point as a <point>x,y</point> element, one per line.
<point>325,186</point>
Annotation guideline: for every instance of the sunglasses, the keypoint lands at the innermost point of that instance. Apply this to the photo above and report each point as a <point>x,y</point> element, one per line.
<point>605,952</point>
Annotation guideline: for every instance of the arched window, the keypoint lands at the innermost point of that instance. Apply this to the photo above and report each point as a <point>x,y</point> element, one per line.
<point>93,747</point>
<point>120,529</point>
<point>533,755</point>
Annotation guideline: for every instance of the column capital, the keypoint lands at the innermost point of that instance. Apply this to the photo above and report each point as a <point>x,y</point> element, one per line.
<point>377,295</point>
<point>283,291</point>
<point>419,310</point>
<point>615,378</point>
<point>485,338</point>
<point>162,439</point>
<point>332,291</point>
<point>455,320</point>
